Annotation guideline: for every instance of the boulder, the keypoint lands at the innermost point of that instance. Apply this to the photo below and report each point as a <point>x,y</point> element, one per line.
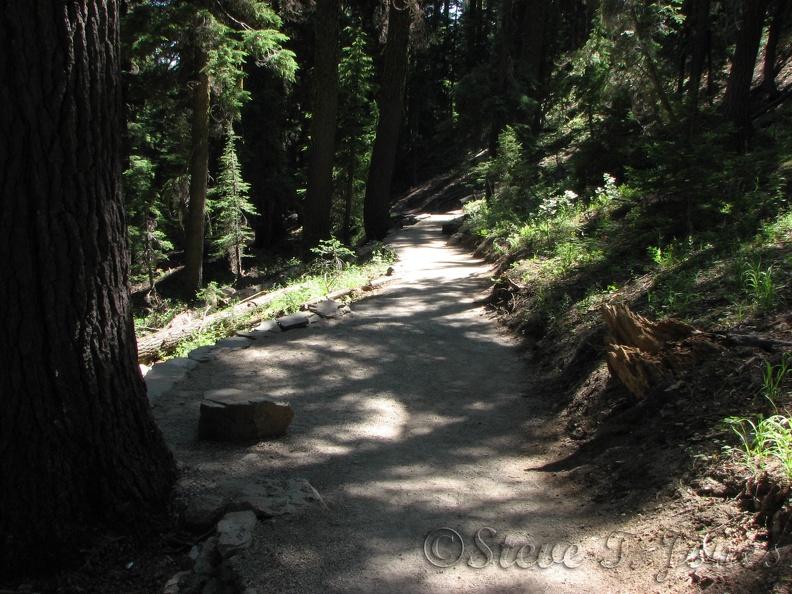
<point>234,343</point>
<point>177,583</point>
<point>268,326</point>
<point>230,414</point>
<point>205,353</point>
<point>208,558</point>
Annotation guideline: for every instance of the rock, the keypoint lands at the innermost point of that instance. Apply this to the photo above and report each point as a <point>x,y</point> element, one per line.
<point>204,353</point>
<point>234,343</point>
<point>273,497</point>
<point>212,587</point>
<point>326,309</point>
<point>229,575</point>
<point>256,334</point>
<point>453,226</point>
<point>235,533</point>
<point>163,375</point>
<point>203,511</point>
<point>295,320</point>
<point>208,557</point>
<point>175,584</point>
<point>230,414</point>
<point>268,326</point>
<point>456,239</point>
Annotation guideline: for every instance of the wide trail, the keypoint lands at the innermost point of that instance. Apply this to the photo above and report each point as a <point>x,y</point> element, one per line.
<point>415,421</point>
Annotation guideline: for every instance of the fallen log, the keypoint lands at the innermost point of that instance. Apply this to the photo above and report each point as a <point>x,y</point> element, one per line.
<point>165,341</point>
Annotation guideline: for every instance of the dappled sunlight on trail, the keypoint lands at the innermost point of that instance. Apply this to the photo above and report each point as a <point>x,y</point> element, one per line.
<point>410,416</point>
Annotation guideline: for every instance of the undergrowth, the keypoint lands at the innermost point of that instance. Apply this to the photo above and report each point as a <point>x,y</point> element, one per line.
<point>334,268</point>
<point>766,442</point>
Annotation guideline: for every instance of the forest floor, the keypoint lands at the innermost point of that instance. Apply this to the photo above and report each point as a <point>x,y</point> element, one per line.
<point>426,425</point>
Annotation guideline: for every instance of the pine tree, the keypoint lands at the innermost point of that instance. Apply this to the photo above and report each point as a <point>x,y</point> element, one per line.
<point>357,120</point>
<point>203,47</point>
<point>232,205</point>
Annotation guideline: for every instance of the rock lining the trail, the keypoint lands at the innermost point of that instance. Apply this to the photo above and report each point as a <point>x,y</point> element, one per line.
<point>162,376</point>
<point>211,566</point>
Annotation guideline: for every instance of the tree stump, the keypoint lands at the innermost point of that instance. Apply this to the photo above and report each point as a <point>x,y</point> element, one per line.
<point>643,354</point>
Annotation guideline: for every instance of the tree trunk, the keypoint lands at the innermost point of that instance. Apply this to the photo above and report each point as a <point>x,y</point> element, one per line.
<point>79,449</point>
<point>163,342</point>
<point>376,205</point>
<point>498,115</point>
<point>533,37</point>
<point>700,37</point>
<point>736,101</point>
<point>770,69</point>
<point>319,193</point>
<point>199,173</point>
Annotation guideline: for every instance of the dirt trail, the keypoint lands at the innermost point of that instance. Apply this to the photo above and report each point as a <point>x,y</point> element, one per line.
<point>414,415</point>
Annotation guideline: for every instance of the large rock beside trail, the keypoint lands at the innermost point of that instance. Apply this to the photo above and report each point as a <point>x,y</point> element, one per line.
<point>241,415</point>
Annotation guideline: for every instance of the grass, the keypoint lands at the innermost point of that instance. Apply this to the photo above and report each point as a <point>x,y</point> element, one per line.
<point>333,271</point>
<point>767,441</point>
<point>760,285</point>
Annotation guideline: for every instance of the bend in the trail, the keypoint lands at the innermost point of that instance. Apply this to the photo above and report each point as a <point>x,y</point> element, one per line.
<point>414,414</point>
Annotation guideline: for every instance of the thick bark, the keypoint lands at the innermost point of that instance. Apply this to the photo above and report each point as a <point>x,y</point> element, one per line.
<point>78,445</point>
<point>319,193</point>
<point>736,101</point>
<point>376,205</point>
<point>199,174</point>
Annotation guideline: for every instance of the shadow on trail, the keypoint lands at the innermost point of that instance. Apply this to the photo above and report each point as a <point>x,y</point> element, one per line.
<point>409,417</point>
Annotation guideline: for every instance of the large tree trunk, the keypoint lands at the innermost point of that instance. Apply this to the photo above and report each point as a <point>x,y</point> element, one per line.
<point>199,174</point>
<point>376,205</point>
<point>78,446</point>
<point>736,101</point>
<point>319,193</point>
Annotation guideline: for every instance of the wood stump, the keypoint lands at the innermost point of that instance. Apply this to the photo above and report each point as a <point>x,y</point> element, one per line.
<point>644,355</point>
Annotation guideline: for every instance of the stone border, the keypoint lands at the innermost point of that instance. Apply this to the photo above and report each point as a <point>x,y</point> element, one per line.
<point>161,377</point>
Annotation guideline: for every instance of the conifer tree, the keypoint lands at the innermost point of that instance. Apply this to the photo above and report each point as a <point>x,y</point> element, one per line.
<point>203,47</point>
<point>232,205</point>
<point>357,120</point>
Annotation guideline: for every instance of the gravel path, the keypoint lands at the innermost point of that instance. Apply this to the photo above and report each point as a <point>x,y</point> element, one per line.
<point>415,422</point>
